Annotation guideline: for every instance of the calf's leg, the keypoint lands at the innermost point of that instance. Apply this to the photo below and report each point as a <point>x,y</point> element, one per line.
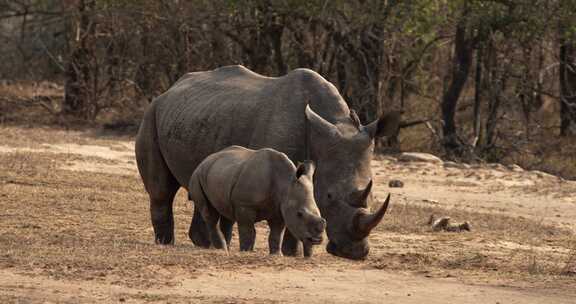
<point>211,217</point>
<point>247,235</point>
<point>246,232</point>
<point>308,249</point>
<point>226,226</point>
<point>203,210</point>
<point>290,244</point>
<point>197,232</point>
<point>275,237</point>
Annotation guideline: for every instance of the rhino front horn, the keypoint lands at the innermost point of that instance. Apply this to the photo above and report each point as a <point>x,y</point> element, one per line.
<point>364,223</point>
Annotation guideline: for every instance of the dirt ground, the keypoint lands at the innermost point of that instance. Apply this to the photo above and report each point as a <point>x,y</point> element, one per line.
<point>75,228</point>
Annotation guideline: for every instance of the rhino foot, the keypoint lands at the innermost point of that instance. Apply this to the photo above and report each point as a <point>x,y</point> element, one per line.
<point>198,232</point>
<point>164,238</point>
<point>290,245</point>
<point>199,239</point>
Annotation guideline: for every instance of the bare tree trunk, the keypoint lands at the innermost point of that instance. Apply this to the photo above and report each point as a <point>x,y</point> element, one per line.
<point>567,89</point>
<point>77,96</point>
<point>276,31</point>
<point>496,84</point>
<point>460,70</point>
<point>477,96</point>
<point>144,76</point>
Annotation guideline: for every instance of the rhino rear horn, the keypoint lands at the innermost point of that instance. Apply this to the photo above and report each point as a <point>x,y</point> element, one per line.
<point>360,198</point>
<point>321,125</point>
<point>387,125</point>
<point>355,119</point>
<point>364,223</point>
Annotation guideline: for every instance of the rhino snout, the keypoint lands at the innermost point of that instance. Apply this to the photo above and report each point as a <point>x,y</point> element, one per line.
<point>316,231</point>
<point>357,251</point>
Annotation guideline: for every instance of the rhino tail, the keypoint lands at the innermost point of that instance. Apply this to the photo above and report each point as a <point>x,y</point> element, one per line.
<point>202,192</point>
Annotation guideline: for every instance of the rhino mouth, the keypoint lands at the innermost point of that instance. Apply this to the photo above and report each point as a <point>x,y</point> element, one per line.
<point>314,240</point>
<point>359,254</point>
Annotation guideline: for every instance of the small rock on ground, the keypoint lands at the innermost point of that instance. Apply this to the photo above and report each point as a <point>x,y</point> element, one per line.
<point>541,174</point>
<point>496,166</point>
<point>419,157</point>
<point>451,164</point>
<point>390,159</point>
<point>396,183</point>
<point>515,168</point>
<point>444,224</point>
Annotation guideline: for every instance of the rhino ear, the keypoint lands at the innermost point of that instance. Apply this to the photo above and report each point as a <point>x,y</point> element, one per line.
<point>310,168</point>
<point>306,168</point>
<point>321,125</point>
<point>355,119</point>
<point>387,125</point>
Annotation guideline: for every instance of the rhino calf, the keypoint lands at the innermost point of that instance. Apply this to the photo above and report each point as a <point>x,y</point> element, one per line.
<point>248,186</point>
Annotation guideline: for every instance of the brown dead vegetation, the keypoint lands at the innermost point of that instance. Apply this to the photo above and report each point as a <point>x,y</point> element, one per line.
<point>95,227</point>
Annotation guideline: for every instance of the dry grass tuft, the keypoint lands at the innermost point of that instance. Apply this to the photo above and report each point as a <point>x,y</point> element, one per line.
<point>96,226</point>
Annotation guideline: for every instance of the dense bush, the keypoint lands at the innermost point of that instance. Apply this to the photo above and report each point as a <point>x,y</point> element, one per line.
<point>496,79</point>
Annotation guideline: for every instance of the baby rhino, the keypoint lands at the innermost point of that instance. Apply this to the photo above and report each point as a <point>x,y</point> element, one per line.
<point>248,186</point>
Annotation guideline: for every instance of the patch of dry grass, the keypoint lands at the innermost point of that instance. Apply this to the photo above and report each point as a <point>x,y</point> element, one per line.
<point>498,246</point>
<point>95,226</point>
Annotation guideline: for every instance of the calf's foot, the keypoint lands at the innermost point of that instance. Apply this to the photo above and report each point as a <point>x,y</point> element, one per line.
<point>308,250</point>
<point>290,245</point>
<point>198,232</point>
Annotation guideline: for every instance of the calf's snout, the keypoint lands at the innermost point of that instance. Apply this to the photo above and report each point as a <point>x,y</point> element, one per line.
<point>319,226</point>
<point>316,227</point>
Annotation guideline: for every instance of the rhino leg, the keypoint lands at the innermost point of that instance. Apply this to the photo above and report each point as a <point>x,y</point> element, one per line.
<point>158,181</point>
<point>290,244</point>
<point>162,220</point>
<point>275,237</point>
<point>308,249</point>
<point>247,235</point>
<point>211,216</point>
<point>226,226</point>
<point>246,232</point>
<point>198,232</point>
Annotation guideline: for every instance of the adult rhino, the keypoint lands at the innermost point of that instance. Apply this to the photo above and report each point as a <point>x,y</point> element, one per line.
<point>204,112</point>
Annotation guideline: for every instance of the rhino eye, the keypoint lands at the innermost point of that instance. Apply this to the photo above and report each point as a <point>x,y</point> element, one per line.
<point>329,196</point>
<point>299,214</point>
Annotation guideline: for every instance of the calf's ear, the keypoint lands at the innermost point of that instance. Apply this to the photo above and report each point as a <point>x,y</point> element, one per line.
<point>306,168</point>
<point>301,170</point>
<point>387,125</point>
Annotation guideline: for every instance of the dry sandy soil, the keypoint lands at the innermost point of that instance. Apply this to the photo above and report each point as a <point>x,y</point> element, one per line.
<point>74,228</point>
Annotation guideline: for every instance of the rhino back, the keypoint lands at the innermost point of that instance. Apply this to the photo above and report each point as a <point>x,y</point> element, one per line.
<point>205,112</point>
<point>264,182</point>
<point>219,173</point>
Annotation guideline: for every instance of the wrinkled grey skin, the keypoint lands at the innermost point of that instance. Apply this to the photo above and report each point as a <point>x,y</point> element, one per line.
<point>248,186</point>
<point>204,112</point>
